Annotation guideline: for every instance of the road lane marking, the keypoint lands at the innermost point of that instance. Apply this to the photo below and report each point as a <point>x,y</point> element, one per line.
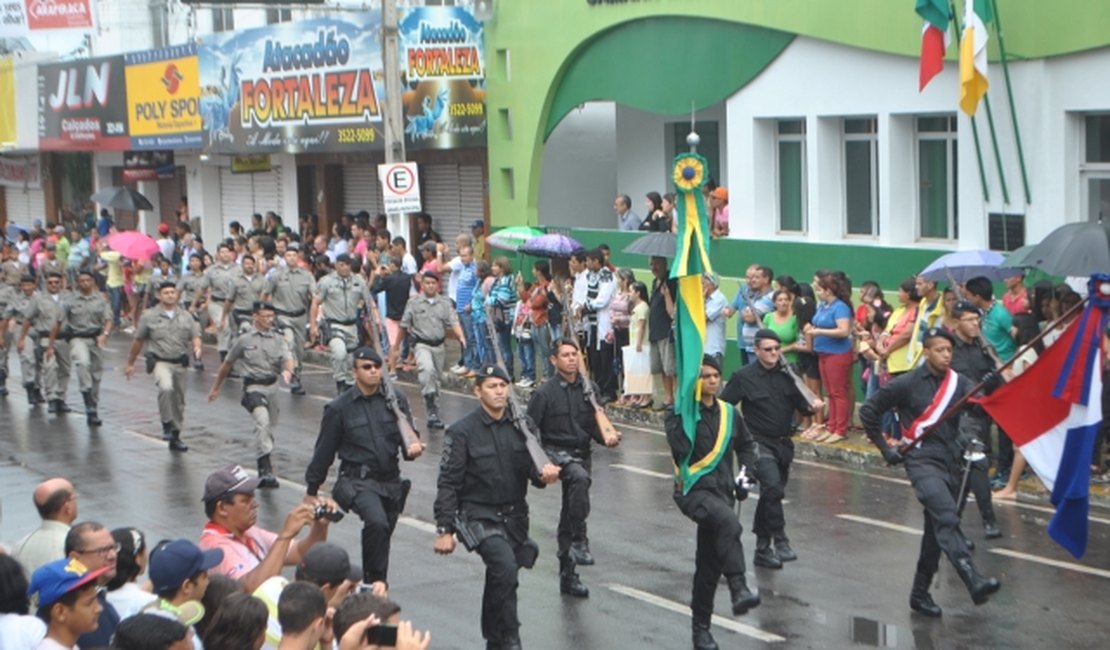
<point>1071,566</point>
<point>645,472</point>
<point>881,524</point>
<point>1051,511</point>
<point>846,470</point>
<point>679,608</point>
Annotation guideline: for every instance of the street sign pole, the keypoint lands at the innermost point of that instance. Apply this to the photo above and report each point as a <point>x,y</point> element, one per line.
<point>393,118</point>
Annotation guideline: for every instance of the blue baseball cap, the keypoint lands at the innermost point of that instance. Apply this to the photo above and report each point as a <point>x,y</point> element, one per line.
<point>52,581</point>
<point>175,562</point>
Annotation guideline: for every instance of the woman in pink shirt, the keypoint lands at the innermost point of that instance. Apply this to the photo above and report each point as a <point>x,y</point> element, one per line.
<point>1016,298</point>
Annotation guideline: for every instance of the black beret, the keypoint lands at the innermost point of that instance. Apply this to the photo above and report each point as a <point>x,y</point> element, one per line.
<point>965,307</point>
<point>344,258</point>
<point>486,372</point>
<point>766,334</point>
<point>368,354</point>
<point>938,332</point>
<point>711,361</point>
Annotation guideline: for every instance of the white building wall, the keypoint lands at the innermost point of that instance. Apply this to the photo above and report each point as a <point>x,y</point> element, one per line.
<point>579,177</point>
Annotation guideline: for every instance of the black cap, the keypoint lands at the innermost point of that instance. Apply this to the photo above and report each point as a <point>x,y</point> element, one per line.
<point>27,278</point>
<point>430,275</point>
<point>167,284</point>
<point>486,372</point>
<point>260,305</point>
<point>368,354</point>
<point>766,334</point>
<point>937,332</point>
<point>344,258</point>
<point>711,361</point>
<point>965,307</point>
<point>328,564</point>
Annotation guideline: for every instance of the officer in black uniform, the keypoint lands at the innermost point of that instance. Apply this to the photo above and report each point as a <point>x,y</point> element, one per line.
<point>932,467</point>
<point>768,397</point>
<point>566,422</point>
<point>483,479</point>
<point>708,499</point>
<point>360,426</point>
<point>971,360</point>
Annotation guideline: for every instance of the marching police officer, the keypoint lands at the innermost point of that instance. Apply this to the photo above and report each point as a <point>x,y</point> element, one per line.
<point>85,325</point>
<point>919,396</point>
<point>167,330</point>
<point>8,296</point>
<point>483,479</point>
<point>362,428</point>
<point>42,313</point>
<point>338,296</point>
<point>705,491</point>
<point>428,317</point>
<point>259,355</point>
<point>768,398</point>
<point>190,286</point>
<point>217,286</point>
<point>28,362</point>
<point>245,289</point>
<point>971,360</point>
<point>290,290</point>
<point>567,424</point>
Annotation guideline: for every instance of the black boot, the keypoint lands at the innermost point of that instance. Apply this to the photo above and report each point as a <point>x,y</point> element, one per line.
<point>433,412</point>
<point>511,642</point>
<point>39,397</point>
<point>991,529</point>
<point>295,387</point>
<point>175,441</point>
<point>266,473</point>
<point>742,598</point>
<point>765,555</point>
<point>569,582</point>
<point>59,407</point>
<point>32,394</point>
<point>167,431</point>
<point>703,640</point>
<point>978,586</point>
<point>580,552</point>
<point>920,600</point>
<point>91,415</point>
<point>970,544</point>
<point>782,547</point>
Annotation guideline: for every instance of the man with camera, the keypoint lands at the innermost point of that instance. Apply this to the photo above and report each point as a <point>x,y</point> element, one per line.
<point>252,555</point>
<point>362,427</point>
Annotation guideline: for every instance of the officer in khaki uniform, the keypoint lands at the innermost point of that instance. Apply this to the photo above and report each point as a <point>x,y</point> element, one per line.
<point>259,355</point>
<point>290,290</point>
<point>216,285</point>
<point>41,314</point>
<point>244,290</point>
<point>168,330</point>
<point>13,323</point>
<point>428,317</point>
<point>8,297</point>
<point>85,325</point>
<point>11,270</point>
<point>338,298</point>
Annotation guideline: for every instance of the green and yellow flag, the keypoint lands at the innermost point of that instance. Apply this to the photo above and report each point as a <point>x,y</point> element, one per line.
<point>690,262</point>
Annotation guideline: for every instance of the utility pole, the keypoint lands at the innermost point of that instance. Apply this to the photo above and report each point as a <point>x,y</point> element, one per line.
<point>392,115</point>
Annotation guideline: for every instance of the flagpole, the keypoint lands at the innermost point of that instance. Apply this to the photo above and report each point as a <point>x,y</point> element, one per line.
<point>959,404</point>
<point>1010,96</point>
<point>997,153</point>
<point>974,126</point>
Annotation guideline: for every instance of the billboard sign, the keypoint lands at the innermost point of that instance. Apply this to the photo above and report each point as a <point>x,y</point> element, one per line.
<point>163,98</point>
<point>148,165</point>
<point>19,18</point>
<point>83,105</point>
<point>21,171</point>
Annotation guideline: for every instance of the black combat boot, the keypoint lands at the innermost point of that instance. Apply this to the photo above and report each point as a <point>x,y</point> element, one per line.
<point>703,640</point>
<point>91,415</point>
<point>295,386</point>
<point>32,394</point>
<point>569,582</point>
<point>433,412</point>
<point>765,555</point>
<point>167,431</point>
<point>782,548</point>
<point>39,397</point>
<point>3,384</point>
<point>580,552</point>
<point>511,642</point>
<point>991,529</point>
<point>59,407</point>
<point>742,598</point>
<point>175,441</point>
<point>920,600</point>
<point>266,478</point>
<point>978,586</point>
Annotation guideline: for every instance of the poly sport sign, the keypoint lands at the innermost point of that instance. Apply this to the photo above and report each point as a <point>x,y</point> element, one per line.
<point>163,98</point>
<point>400,187</point>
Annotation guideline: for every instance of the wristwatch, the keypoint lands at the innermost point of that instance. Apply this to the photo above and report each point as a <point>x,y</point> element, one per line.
<point>443,530</point>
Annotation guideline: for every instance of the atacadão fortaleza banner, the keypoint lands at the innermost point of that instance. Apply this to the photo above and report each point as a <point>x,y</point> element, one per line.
<point>300,87</point>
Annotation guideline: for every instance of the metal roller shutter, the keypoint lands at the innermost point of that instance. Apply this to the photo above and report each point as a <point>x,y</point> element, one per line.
<point>242,195</point>
<point>361,190</point>
<point>441,197</point>
<point>25,205</point>
<point>472,183</point>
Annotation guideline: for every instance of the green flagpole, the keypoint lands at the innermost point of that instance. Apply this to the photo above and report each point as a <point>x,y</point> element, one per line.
<point>997,153</point>
<point>1010,96</point>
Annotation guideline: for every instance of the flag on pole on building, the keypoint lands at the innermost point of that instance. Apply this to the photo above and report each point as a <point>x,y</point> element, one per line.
<point>690,262</point>
<point>934,38</point>
<point>973,54</point>
<point>1053,412</point>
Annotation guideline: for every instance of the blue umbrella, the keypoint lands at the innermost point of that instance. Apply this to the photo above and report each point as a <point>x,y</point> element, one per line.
<point>961,266</point>
<point>553,245</point>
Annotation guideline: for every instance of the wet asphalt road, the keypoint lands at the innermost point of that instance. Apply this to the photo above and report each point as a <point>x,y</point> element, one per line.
<point>856,533</point>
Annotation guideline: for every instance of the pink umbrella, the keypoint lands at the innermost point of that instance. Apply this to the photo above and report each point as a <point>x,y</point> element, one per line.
<point>133,245</point>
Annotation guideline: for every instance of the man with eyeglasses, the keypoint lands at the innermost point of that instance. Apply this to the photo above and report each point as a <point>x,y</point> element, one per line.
<point>42,313</point>
<point>259,355</point>
<point>361,428</point>
<point>970,359</point>
<point>91,544</point>
<point>707,496</point>
<point>768,397</point>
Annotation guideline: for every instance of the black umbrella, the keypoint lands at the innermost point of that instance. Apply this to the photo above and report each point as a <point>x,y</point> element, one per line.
<point>1078,249</point>
<point>123,198</point>
<point>657,244</point>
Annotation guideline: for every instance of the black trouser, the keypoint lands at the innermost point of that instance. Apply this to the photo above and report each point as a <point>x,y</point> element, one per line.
<point>979,482</point>
<point>379,515</point>
<point>772,470</point>
<point>935,485</point>
<point>575,477</point>
<point>601,366</point>
<point>719,548</point>
<point>499,617</point>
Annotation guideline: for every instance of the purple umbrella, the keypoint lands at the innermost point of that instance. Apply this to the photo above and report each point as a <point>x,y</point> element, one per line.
<point>552,245</point>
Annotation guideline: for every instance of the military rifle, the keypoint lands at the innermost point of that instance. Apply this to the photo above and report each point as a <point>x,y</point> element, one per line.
<point>408,433</point>
<point>516,409</point>
<point>604,424</point>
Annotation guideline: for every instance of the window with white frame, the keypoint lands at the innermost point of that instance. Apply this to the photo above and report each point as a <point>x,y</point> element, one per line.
<point>937,208</point>
<point>1094,171</point>
<point>279,15</point>
<point>790,151</point>
<point>223,19</point>
<point>861,176</point>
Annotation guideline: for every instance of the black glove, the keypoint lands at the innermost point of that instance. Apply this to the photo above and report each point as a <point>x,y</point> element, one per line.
<point>892,457</point>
